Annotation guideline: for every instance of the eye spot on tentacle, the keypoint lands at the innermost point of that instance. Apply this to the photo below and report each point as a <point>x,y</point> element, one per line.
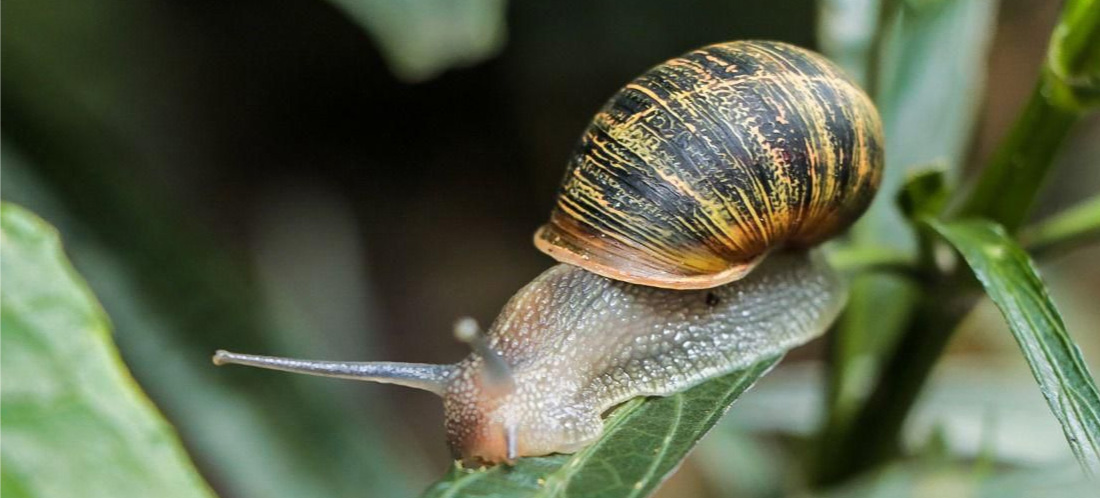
<point>713,299</point>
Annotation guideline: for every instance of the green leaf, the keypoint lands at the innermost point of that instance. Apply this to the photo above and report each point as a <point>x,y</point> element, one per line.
<point>422,38</point>
<point>167,318</point>
<point>74,422</point>
<point>924,194</point>
<point>1011,281</point>
<point>643,442</point>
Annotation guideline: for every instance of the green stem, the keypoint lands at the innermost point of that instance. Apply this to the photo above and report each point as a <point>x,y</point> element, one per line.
<point>1068,87</point>
<point>872,435</point>
<point>855,259</point>
<point>887,9</point>
<point>1074,55</point>
<point>867,435</point>
<point>1008,186</point>
<point>1074,227</point>
<point>875,269</point>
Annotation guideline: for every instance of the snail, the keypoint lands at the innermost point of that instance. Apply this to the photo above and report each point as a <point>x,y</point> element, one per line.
<point>685,230</point>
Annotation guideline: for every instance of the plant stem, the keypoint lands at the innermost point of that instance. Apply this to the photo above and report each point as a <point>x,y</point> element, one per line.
<point>855,259</point>
<point>1008,186</point>
<point>1074,227</point>
<point>876,270</point>
<point>867,435</point>
<point>887,10</point>
<point>1068,87</point>
<point>872,436</point>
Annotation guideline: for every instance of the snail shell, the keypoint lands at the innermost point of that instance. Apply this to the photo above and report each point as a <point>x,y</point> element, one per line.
<point>697,169</point>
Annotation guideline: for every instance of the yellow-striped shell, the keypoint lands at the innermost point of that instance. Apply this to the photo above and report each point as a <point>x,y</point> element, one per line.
<point>697,169</point>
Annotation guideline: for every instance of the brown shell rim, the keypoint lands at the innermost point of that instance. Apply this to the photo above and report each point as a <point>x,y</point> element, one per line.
<point>735,272</point>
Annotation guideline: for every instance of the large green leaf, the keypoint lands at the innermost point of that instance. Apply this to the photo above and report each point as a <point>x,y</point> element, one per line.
<point>239,427</point>
<point>1011,281</point>
<point>74,422</point>
<point>643,442</point>
<point>931,71</point>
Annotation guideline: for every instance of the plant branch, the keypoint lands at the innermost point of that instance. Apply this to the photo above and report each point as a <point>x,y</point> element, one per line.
<point>1072,228</point>
<point>872,436</point>
<point>1069,85</point>
<point>1004,193</point>
<point>887,10</point>
<point>1009,184</point>
<point>864,258</point>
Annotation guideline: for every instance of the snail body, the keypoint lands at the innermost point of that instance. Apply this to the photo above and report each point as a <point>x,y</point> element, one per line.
<point>576,344</point>
<point>684,228</point>
<point>573,363</point>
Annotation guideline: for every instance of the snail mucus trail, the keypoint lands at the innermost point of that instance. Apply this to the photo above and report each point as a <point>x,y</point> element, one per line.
<point>684,228</point>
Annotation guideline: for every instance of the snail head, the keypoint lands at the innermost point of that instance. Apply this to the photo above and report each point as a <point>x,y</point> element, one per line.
<point>486,417</point>
<point>496,411</point>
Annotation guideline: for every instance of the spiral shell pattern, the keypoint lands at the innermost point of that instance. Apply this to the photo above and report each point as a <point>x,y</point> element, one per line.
<point>697,169</point>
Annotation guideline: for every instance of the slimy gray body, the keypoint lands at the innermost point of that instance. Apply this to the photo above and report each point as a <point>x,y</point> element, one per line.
<point>573,344</point>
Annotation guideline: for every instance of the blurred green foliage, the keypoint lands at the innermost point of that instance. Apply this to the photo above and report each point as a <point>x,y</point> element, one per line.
<point>923,61</point>
<point>74,422</point>
<point>174,295</point>
<point>863,430</point>
<point>422,38</point>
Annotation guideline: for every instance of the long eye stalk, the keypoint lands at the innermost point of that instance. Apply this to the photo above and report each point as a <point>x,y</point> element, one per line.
<point>432,378</point>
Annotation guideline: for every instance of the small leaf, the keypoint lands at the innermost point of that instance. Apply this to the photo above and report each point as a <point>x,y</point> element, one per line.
<point>643,442</point>
<point>924,194</point>
<point>422,38</point>
<point>1011,281</point>
<point>74,422</point>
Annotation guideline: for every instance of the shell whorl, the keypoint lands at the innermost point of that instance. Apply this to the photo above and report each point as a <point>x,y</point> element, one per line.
<point>697,169</point>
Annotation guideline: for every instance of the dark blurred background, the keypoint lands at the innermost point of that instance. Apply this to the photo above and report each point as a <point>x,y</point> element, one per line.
<point>344,179</point>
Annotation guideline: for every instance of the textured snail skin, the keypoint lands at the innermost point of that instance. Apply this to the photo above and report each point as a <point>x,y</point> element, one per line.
<point>697,169</point>
<point>572,344</point>
<point>579,343</point>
